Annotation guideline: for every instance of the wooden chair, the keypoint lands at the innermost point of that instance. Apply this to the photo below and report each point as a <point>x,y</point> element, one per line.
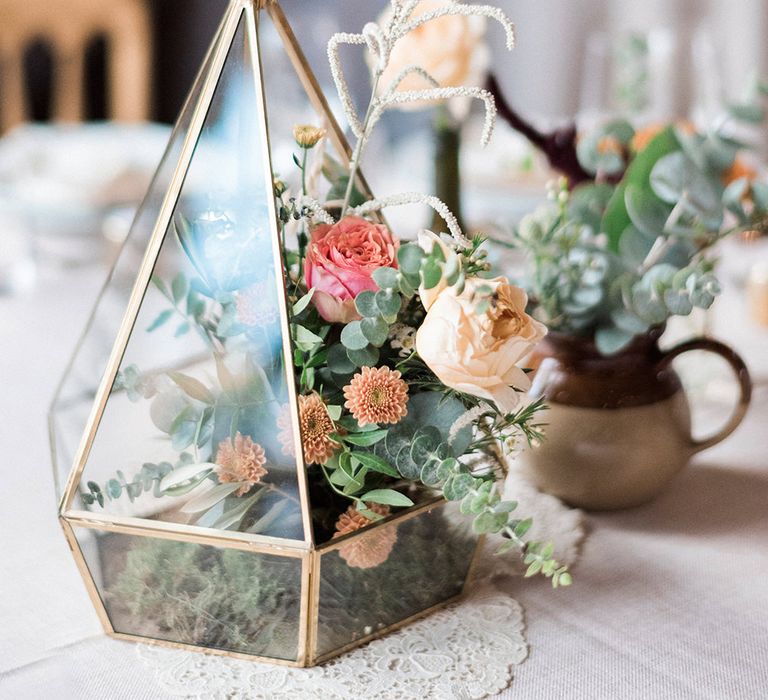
<point>68,26</point>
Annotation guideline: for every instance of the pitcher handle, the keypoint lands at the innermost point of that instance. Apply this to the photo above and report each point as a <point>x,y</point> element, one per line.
<point>742,374</point>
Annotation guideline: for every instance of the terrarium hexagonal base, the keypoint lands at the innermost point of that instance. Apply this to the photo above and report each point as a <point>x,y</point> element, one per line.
<point>160,583</point>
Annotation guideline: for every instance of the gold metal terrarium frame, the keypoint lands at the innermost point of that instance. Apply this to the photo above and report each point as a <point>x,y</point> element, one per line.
<point>289,599</point>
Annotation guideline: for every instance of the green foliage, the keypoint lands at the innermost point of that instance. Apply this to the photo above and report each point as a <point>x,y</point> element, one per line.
<point>605,149</point>
<point>148,479</point>
<point>616,218</point>
<point>612,261</point>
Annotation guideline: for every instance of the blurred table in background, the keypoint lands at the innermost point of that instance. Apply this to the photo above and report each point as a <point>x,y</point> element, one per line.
<point>68,193</point>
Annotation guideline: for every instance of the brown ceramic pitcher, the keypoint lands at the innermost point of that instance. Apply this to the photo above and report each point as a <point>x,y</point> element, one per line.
<point>619,427</point>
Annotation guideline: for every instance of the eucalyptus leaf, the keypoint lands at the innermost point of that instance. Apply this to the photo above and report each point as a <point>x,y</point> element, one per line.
<point>430,473</point>
<point>676,177</point>
<point>431,275</point>
<point>751,113</point>
<point>375,331</point>
<point>458,486</point>
<point>385,277</point>
<point>338,362</point>
<point>365,302</point>
<point>160,320</point>
<point>409,258</point>
<point>635,245</point>
<point>352,336</point>
<point>388,303</point>
<point>367,357</point>
<point>406,466</point>
<point>611,340</point>
<point>646,211</point>
<point>179,287</point>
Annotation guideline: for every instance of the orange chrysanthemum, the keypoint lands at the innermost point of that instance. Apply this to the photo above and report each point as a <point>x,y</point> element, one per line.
<point>240,461</point>
<point>316,430</point>
<point>377,395</point>
<point>368,549</point>
<point>256,306</point>
<point>285,431</point>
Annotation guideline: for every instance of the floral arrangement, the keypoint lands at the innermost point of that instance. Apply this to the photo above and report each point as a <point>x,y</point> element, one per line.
<point>408,353</point>
<point>627,239</point>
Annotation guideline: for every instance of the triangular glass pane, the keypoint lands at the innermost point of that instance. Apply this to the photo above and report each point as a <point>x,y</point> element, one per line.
<point>198,426</point>
<point>288,105</point>
<point>76,392</point>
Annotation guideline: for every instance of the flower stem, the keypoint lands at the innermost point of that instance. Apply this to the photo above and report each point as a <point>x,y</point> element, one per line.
<point>354,164</point>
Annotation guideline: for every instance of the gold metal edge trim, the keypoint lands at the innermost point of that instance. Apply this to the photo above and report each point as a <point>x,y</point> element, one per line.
<point>234,14</point>
<point>277,258</point>
<point>202,650</point>
<point>314,608</point>
<point>304,620</point>
<point>85,573</point>
<point>174,531</point>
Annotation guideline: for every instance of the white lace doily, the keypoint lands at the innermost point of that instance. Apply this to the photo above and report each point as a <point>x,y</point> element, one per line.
<point>468,650</point>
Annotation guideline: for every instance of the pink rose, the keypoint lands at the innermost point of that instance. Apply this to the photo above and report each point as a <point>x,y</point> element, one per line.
<point>340,261</point>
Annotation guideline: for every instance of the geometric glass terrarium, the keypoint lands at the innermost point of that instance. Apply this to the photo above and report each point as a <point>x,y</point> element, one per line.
<point>207,566</point>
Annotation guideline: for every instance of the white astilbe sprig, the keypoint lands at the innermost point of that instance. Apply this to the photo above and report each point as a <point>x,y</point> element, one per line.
<point>456,9</point>
<point>397,200</point>
<point>315,209</point>
<point>466,419</point>
<point>341,82</point>
<point>406,72</point>
<point>440,93</point>
<point>379,42</point>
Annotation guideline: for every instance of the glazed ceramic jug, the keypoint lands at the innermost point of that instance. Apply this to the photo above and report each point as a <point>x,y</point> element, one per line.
<point>618,428</point>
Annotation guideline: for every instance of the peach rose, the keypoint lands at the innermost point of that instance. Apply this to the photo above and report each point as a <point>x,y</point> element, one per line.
<point>340,261</point>
<point>477,353</point>
<point>451,49</point>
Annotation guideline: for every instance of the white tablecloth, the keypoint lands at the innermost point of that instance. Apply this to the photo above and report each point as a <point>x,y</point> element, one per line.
<point>670,600</point>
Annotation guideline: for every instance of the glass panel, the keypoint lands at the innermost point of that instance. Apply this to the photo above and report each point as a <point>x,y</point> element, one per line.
<point>384,575</point>
<point>197,428</point>
<point>289,105</point>
<point>77,391</point>
<point>196,594</point>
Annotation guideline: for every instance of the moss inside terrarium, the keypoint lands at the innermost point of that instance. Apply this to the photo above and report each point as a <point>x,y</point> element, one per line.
<point>202,595</point>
